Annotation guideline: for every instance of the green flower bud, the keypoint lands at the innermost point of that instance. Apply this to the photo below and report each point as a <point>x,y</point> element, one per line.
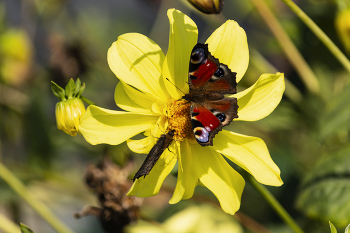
<point>71,108</point>
<point>342,24</point>
<point>208,6</point>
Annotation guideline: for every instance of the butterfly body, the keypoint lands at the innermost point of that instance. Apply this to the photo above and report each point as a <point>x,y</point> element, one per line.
<point>157,150</point>
<point>209,81</point>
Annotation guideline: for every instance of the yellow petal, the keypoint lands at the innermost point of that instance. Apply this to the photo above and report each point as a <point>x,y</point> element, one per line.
<point>261,99</point>
<point>143,146</point>
<point>229,44</point>
<point>137,60</point>
<point>251,154</point>
<point>187,178</point>
<point>100,125</point>
<point>182,38</point>
<point>211,169</point>
<point>220,178</point>
<point>132,100</point>
<point>150,185</point>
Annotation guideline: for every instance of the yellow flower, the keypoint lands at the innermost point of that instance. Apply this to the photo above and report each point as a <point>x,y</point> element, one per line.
<point>194,219</point>
<point>16,53</point>
<point>146,95</point>
<point>342,25</point>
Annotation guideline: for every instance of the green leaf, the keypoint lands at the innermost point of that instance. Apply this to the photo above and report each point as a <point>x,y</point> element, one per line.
<point>325,192</point>
<point>25,229</point>
<point>58,91</point>
<point>77,87</point>
<point>70,88</point>
<point>337,115</point>
<point>333,229</point>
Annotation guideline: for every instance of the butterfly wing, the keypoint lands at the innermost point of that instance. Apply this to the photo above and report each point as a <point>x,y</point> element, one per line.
<point>157,150</point>
<point>209,117</point>
<point>206,73</point>
<point>209,80</point>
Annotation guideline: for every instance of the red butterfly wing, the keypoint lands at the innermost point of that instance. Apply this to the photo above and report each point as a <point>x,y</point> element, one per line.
<point>206,73</point>
<point>204,123</point>
<point>208,118</point>
<point>209,80</point>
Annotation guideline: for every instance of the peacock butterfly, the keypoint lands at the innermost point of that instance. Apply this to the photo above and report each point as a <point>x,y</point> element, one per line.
<point>209,80</point>
<point>157,150</point>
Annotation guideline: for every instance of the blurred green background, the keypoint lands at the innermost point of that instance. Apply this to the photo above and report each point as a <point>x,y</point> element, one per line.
<point>307,135</point>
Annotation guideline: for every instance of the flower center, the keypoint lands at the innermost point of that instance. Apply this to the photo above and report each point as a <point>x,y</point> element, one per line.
<point>178,114</point>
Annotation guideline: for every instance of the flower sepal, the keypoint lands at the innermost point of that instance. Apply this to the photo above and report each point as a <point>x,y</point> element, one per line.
<point>72,90</point>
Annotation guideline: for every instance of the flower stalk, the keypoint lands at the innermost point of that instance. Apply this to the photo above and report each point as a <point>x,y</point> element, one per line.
<point>319,34</point>
<point>265,193</point>
<point>293,55</point>
<point>292,92</point>
<point>86,100</point>
<point>28,197</point>
<point>7,225</point>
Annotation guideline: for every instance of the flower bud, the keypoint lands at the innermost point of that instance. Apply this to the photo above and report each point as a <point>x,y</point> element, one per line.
<point>71,108</point>
<point>68,115</point>
<point>208,6</point>
<point>342,24</point>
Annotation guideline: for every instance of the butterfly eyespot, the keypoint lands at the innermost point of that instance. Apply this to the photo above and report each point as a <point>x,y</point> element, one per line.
<point>221,117</point>
<point>198,56</point>
<point>198,132</point>
<point>201,134</point>
<point>219,73</point>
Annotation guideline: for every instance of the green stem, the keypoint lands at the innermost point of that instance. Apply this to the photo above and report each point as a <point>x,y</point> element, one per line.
<point>86,100</point>
<point>342,4</point>
<point>7,225</point>
<point>320,34</point>
<point>272,201</point>
<point>38,206</point>
<point>292,92</point>
<point>293,55</point>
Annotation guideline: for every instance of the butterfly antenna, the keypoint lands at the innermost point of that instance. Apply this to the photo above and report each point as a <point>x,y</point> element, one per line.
<point>175,86</point>
<point>160,129</point>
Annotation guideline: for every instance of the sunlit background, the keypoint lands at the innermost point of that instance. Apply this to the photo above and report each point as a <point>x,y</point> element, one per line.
<point>307,135</point>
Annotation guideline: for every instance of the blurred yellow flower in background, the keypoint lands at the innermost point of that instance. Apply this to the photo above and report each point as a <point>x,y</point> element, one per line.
<point>16,54</point>
<point>208,6</point>
<point>146,95</point>
<point>194,219</point>
<point>342,25</point>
